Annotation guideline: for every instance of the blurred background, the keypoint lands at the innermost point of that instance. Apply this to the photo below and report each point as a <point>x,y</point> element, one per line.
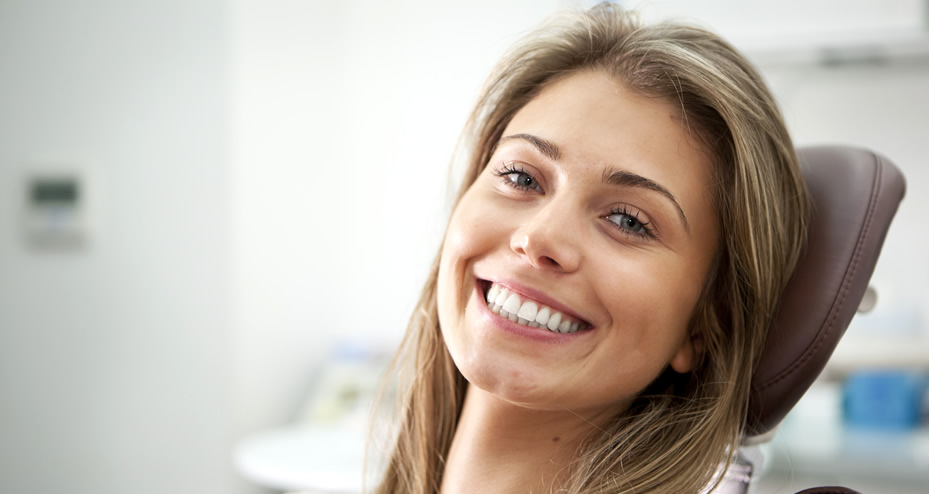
<point>210,209</point>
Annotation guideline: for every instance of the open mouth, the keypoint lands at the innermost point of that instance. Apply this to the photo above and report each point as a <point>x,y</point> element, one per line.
<point>528,312</point>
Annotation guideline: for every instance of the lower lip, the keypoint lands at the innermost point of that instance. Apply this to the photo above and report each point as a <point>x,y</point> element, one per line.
<point>537,334</point>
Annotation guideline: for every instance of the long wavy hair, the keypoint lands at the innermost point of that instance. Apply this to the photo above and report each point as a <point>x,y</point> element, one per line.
<point>682,427</point>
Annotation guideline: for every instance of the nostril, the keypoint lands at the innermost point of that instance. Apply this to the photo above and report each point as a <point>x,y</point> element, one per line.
<point>550,261</point>
<point>545,251</point>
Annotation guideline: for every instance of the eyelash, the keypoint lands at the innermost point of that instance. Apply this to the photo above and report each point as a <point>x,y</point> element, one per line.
<point>646,232</point>
<point>511,168</point>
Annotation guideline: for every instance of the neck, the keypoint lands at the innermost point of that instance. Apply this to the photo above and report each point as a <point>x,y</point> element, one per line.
<point>502,448</point>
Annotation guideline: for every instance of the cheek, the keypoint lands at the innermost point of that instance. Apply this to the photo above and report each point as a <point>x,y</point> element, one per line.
<point>446,290</point>
<point>474,230</point>
<point>653,300</point>
<point>465,240</point>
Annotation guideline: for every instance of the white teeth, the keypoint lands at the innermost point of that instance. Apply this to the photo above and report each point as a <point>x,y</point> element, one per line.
<point>501,297</point>
<point>542,316</point>
<point>554,321</point>
<point>492,293</point>
<point>528,311</point>
<point>512,304</point>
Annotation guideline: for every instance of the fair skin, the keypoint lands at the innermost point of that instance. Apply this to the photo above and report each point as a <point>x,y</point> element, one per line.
<point>595,206</point>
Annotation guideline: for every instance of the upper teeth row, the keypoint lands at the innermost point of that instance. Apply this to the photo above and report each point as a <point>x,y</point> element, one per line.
<point>529,312</point>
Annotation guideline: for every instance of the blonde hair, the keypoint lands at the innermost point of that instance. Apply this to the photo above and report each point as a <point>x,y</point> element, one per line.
<point>678,431</point>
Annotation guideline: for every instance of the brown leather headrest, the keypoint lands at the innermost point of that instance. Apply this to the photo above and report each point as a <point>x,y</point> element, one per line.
<point>855,194</point>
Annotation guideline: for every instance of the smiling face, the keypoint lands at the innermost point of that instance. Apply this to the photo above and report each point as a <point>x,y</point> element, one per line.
<point>592,231</point>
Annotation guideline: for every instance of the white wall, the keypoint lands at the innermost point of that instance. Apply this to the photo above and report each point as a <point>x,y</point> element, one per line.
<point>115,358</point>
<point>345,117</point>
<point>884,107</point>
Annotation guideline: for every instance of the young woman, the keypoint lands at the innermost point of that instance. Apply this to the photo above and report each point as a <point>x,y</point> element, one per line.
<point>631,212</point>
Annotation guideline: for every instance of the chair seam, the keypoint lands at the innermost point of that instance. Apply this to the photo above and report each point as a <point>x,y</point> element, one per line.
<point>839,301</point>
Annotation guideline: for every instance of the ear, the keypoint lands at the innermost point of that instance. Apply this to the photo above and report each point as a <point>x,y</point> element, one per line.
<point>686,357</point>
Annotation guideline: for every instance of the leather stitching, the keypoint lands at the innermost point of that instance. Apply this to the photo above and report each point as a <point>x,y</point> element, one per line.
<point>839,301</point>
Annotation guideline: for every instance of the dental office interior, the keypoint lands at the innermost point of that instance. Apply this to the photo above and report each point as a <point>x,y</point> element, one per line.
<point>216,217</point>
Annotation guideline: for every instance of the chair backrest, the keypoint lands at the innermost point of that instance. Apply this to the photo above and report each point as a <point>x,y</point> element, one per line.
<point>855,194</point>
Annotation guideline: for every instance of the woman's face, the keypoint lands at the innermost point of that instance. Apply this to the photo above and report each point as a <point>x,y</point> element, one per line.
<point>592,231</point>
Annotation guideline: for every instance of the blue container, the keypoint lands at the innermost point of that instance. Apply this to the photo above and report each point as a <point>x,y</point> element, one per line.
<point>884,399</point>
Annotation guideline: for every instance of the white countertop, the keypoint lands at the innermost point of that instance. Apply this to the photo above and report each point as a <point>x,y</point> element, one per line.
<point>326,459</point>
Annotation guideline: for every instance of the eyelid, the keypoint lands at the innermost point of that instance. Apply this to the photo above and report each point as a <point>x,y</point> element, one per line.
<point>519,167</point>
<point>514,166</point>
<point>648,232</point>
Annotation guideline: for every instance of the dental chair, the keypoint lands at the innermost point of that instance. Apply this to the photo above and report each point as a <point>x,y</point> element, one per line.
<point>855,194</point>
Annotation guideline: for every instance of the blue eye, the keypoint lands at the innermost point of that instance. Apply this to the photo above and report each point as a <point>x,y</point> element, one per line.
<point>629,223</point>
<point>518,178</point>
<point>522,180</point>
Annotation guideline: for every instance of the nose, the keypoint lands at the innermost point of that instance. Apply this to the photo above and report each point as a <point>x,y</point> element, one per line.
<point>549,238</point>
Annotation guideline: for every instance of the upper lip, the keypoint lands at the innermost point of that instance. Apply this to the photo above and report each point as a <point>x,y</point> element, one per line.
<point>537,295</point>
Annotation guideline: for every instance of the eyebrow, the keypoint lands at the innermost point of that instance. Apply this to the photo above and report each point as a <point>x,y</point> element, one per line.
<point>611,176</point>
<point>546,147</point>
<point>628,179</point>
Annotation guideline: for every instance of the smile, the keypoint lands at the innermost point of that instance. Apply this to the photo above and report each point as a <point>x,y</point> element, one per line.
<point>527,312</point>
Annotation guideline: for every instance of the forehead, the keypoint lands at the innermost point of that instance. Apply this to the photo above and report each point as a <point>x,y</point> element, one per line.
<point>598,118</point>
